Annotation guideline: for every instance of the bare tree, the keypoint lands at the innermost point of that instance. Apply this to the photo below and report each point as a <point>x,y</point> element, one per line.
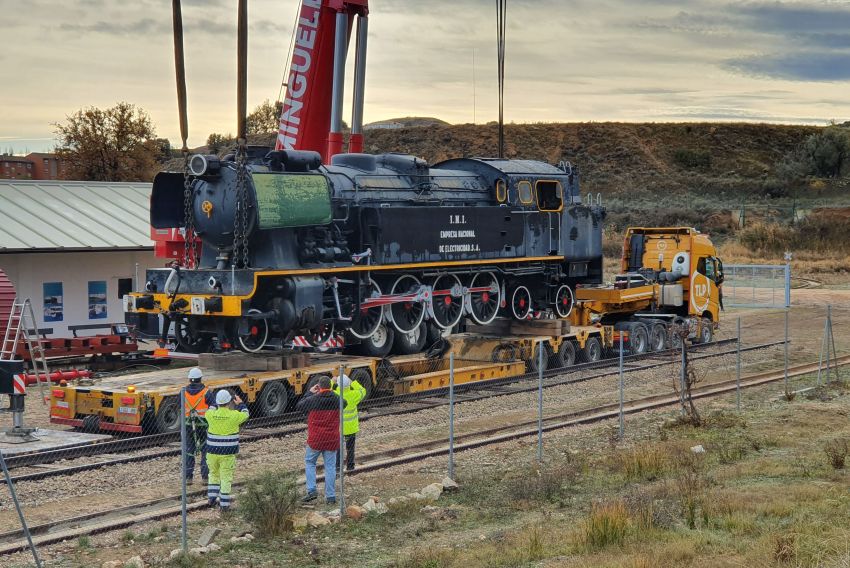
<point>685,375</point>
<point>115,144</point>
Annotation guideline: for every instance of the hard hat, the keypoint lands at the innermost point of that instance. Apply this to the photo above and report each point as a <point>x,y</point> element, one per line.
<point>223,397</point>
<point>346,381</point>
<point>195,374</point>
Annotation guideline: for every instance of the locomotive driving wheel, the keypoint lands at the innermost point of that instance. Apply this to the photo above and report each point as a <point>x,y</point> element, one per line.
<point>407,314</point>
<point>447,300</point>
<point>366,321</point>
<point>521,303</point>
<point>189,338</point>
<point>564,301</point>
<point>485,296</point>
<point>253,333</point>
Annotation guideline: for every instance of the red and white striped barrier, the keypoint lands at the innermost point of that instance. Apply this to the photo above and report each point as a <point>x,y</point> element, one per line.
<point>19,384</point>
<point>332,343</point>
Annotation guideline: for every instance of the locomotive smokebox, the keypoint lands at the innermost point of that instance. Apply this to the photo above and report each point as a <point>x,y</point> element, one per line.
<point>215,207</point>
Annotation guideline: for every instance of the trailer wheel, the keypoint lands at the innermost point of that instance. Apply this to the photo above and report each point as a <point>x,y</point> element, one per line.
<point>566,356</point>
<point>91,424</point>
<point>706,332</point>
<point>638,339</point>
<point>363,377</point>
<point>533,363</point>
<point>168,416</point>
<point>273,399</point>
<point>503,353</point>
<point>658,337</point>
<point>410,343</point>
<point>592,351</point>
<point>314,380</point>
<point>379,343</point>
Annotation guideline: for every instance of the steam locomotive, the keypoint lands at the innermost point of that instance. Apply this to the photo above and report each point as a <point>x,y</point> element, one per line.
<point>367,245</point>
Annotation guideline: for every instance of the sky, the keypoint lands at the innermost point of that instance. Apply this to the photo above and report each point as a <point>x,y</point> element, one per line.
<point>566,60</point>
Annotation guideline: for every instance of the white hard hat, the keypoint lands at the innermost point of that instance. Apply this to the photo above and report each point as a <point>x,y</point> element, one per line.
<point>346,381</point>
<point>195,374</point>
<point>223,397</point>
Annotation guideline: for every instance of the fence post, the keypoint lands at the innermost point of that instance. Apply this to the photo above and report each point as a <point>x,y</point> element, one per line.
<point>622,419</point>
<point>682,379</point>
<point>540,401</point>
<point>339,466</point>
<point>451,415</point>
<point>738,369</point>
<point>184,540</point>
<point>785,346</point>
<point>20,511</point>
<point>788,284</point>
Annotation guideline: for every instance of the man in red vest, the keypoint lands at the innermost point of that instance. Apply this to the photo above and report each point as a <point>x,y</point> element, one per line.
<point>322,407</point>
<point>198,400</point>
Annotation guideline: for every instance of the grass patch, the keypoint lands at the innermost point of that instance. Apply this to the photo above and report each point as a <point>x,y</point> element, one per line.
<point>606,525</point>
<point>643,463</point>
<point>836,452</point>
<point>84,541</point>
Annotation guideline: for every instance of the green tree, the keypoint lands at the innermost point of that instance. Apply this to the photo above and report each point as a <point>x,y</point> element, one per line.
<point>264,118</point>
<point>218,142</point>
<point>826,152</point>
<point>113,144</point>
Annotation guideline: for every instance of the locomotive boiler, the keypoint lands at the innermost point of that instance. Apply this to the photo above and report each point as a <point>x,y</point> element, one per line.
<point>287,246</point>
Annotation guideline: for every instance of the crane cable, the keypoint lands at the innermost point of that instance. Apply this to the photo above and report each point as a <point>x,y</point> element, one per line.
<point>190,252</point>
<point>501,8</point>
<point>240,218</point>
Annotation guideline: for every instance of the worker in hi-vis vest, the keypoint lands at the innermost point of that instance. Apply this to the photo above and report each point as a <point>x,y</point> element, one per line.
<point>224,421</point>
<point>352,392</point>
<point>198,400</point>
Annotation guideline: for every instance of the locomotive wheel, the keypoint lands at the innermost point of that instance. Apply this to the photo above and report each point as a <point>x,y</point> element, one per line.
<point>406,316</point>
<point>658,337</point>
<point>410,343</point>
<point>564,301</point>
<point>485,296</point>
<point>521,303</point>
<point>189,339</point>
<point>319,335</point>
<point>257,336</point>
<point>447,300</point>
<point>379,343</point>
<point>365,322</point>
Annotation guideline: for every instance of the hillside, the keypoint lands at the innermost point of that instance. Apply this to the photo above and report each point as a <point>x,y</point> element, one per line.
<point>643,159</point>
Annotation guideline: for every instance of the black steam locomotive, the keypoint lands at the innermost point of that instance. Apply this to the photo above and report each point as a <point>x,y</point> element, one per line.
<point>368,244</point>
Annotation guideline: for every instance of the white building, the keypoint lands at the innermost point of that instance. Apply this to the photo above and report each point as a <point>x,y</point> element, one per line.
<point>75,248</point>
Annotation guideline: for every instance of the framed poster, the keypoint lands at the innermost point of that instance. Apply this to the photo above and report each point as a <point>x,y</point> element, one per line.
<point>53,301</point>
<point>97,299</point>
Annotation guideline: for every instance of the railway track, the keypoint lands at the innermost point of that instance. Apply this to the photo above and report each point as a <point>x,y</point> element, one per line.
<point>122,517</point>
<point>293,423</point>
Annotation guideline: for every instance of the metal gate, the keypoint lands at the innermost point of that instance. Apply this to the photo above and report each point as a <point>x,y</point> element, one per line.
<point>757,285</point>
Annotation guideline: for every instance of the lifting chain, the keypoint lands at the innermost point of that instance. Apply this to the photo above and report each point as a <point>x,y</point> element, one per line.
<point>240,218</point>
<point>190,245</point>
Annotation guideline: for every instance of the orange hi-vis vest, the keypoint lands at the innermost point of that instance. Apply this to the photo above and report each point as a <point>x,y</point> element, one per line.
<point>196,403</point>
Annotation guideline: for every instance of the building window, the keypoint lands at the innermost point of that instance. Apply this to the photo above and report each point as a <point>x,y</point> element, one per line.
<point>125,286</point>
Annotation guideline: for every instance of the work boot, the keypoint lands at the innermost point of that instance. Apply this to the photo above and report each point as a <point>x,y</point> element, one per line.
<point>331,500</point>
<point>311,496</point>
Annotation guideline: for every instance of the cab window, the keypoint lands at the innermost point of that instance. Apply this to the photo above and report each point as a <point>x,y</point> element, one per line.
<point>526,196</point>
<point>501,191</point>
<point>549,195</point>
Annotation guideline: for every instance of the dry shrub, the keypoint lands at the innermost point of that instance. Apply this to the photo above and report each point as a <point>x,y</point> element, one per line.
<point>427,558</point>
<point>691,485</point>
<point>543,484</point>
<point>784,548</point>
<point>270,501</point>
<point>836,451</point>
<point>643,463</point>
<point>607,525</point>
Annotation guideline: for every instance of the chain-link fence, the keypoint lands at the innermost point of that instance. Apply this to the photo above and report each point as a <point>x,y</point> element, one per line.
<point>469,392</point>
<point>757,285</point>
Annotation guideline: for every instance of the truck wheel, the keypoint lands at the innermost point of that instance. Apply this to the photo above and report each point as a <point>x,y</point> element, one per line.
<point>314,380</point>
<point>566,354</point>
<point>168,416</point>
<point>273,399</point>
<point>410,343</point>
<point>379,343</point>
<point>638,339</point>
<point>658,337</point>
<point>706,332</point>
<point>533,363</point>
<point>592,351</point>
<point>364,377</point>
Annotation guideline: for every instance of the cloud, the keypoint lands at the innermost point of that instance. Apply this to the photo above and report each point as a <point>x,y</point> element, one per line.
<point>805,66</point>
<point>149,26</point>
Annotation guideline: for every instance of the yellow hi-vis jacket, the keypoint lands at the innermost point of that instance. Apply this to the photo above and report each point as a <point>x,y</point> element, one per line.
<point>352,395</point>
<point>223,430</point>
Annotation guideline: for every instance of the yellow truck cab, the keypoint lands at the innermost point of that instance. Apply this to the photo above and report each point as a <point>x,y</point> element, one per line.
<point>670,275</point>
